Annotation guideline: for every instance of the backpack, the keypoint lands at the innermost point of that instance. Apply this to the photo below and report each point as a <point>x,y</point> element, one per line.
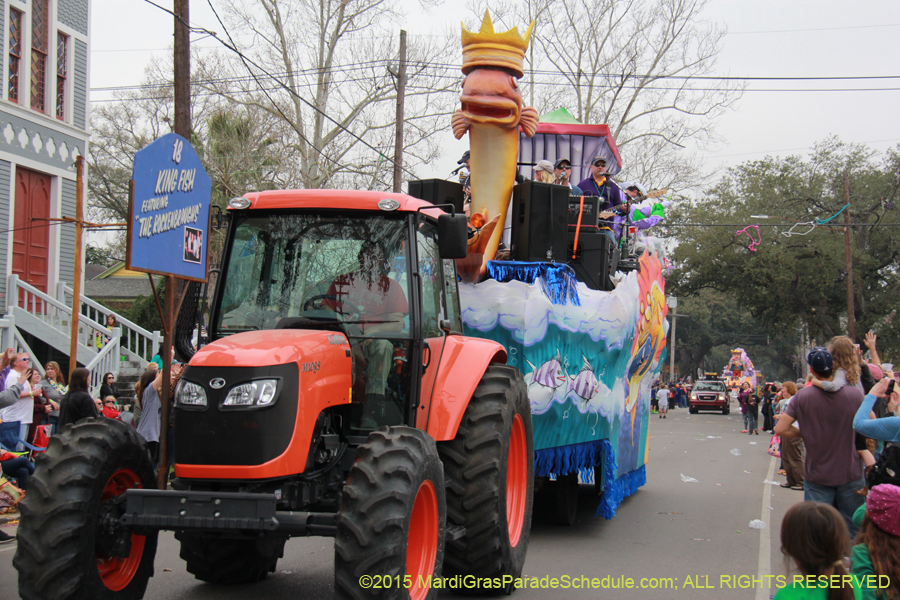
<point>887,469</point>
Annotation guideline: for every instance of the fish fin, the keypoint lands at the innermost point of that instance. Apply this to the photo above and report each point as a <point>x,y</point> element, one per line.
<point>459,123</point>
<point>528,121</point>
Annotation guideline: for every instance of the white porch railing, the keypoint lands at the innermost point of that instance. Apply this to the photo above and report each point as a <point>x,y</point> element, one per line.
<point>136,343</point>
<point>49,319</point>
<point>106,361</point>
<point>21,345</point>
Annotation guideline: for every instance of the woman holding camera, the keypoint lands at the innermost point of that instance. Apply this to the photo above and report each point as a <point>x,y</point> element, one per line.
<point>888,428</point>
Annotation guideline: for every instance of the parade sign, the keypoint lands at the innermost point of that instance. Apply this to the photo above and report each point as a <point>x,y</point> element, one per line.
<point>168,223</point>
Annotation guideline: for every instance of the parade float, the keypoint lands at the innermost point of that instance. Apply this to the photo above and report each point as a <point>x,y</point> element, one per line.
<point>739,370</point>
<point>589,356</point>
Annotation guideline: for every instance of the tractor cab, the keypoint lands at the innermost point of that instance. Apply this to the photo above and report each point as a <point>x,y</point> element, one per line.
<point>377,278</point>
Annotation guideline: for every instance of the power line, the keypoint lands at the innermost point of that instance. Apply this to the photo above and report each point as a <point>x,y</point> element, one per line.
<point>245,60</point>
<point>791,149</point>
<point>542,72</point>
<point>280,85</point>
<point>815,29</point>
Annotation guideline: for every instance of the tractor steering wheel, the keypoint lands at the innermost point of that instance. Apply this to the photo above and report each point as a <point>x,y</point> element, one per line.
<point>316,303</point>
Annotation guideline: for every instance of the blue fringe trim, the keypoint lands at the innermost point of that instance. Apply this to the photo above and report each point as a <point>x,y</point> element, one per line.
<point>558,281</point>
<point>620,489</point>
<point>563,460</point>
<point>582,458</point>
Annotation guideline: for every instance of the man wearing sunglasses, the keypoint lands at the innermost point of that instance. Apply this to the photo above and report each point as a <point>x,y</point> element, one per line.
<point>563,173</point>
<point>612,198</point>
<point>17,418</point>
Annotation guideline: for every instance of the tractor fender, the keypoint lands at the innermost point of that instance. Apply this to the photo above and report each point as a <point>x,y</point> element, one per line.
<point>457,365</point>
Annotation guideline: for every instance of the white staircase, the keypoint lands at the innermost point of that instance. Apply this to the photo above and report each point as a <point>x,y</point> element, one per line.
<point>48,318</point>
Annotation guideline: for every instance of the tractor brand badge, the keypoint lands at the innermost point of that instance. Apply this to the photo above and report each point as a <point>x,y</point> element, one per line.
<point>217,383</point>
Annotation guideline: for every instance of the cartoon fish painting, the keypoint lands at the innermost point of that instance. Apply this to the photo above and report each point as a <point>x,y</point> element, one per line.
<point>492,114</point>
<point>545,384</point>
<point>585,384</point>
<point>650,336</point>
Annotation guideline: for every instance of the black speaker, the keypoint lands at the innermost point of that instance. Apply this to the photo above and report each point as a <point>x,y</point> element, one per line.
<point>539,222</point>
<point>592,259</point>
<point>438,191</point>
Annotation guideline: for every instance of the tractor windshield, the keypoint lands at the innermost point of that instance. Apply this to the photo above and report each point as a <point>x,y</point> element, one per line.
<point>319,267</point>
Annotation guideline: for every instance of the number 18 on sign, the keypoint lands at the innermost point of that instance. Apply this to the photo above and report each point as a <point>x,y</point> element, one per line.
<point>168,225</point>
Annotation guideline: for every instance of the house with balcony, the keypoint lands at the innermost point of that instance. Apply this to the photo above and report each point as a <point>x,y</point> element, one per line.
<point>44,127</point>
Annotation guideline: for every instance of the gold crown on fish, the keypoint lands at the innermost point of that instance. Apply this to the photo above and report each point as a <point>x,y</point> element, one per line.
<point>489,49</point>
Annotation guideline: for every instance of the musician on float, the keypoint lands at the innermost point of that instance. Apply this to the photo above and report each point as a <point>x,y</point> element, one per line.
<point>613,200</point>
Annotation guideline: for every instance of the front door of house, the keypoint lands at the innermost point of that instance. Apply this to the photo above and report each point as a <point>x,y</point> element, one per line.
<point>31,237</point>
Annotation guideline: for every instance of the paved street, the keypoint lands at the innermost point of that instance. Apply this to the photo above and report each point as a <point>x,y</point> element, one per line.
<point>668,529</point>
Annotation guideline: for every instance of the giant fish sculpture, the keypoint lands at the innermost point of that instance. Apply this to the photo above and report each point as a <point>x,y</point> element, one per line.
<point>492,114</point>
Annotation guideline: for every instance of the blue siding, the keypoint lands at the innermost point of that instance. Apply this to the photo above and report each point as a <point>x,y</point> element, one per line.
<point>79,106</point>
<point>73,13</point>
<point>67,234</point>
<point>6,200</point>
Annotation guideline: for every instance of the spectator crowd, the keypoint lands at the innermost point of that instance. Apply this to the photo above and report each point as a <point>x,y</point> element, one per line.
<point>35,405</point>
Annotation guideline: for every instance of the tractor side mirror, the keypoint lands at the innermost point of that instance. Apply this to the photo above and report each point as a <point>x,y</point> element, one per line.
<point>452,236</point>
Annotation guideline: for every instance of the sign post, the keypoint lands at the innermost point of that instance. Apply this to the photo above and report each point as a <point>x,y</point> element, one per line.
<point>168,232</point>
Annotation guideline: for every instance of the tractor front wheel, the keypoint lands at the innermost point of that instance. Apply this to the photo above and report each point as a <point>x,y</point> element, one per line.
<point>70,545</point>
<point>392,523</point>
<point>490,478</point>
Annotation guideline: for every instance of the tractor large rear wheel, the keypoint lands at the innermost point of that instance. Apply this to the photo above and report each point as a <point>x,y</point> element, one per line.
<point>217,559</point>
<point>391,527</point>
<point>69,545</point>
<point>490,478</point>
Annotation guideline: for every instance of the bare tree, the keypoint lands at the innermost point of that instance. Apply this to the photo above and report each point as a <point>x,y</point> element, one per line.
<point>241,147</point>
<point>323,67</point>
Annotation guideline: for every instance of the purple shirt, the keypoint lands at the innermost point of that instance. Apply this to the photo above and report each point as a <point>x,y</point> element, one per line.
<point>609,192</point>
<point>826,425</point>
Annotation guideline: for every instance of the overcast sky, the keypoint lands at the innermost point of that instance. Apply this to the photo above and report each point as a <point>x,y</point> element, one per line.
<point>767,38</point>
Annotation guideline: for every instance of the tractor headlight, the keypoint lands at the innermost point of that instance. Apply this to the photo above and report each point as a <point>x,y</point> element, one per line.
<point>260,393</point>
<point>190,394</point>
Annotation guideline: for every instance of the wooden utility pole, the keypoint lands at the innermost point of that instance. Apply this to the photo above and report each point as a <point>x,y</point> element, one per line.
<point>76,271</point>
<point>401,94</point>
<point>182,68</point>
<point>181,126</point>
<point>848,254</point>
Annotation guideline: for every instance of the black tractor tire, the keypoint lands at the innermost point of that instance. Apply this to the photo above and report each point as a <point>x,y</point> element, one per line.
<point>60,552</point>
<point>393,508</point>
<point>481,474</point>
<point>217,559</point>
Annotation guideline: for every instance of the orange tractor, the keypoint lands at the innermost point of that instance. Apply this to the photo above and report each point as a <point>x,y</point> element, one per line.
<point>336,397</point>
